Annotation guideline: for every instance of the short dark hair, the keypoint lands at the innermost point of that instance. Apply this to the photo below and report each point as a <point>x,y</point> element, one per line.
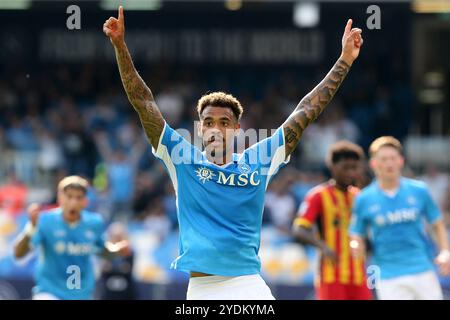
<point>220,99</point>
<point>385,141</point>
<point>73,182</point>
<point>344,150</point>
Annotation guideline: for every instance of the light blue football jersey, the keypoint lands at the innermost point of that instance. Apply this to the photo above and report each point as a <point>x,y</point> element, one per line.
<point>396,227</point>
<point>220,208</point>
<point>65,252</point>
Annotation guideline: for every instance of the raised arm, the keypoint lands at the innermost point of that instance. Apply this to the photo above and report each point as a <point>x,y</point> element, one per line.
<point>21,245</point>
<point>137,91</point>
<point>312,105</point>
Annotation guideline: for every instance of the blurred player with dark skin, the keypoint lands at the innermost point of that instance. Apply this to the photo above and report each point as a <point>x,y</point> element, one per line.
<point>220,194</point>
<point>328,207</point>
<point>392,210</point>
<point>68,237</point>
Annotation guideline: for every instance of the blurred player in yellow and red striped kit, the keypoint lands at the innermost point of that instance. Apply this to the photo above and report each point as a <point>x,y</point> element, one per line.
<point>329,206</point>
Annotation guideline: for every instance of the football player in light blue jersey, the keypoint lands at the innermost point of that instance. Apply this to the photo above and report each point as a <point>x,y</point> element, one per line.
<point>68,237</point>
<point>392,212</point>
<point>220,194</point>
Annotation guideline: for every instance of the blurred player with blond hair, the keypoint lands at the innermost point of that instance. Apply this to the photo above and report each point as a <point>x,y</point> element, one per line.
<point>391,212</point>
<point>67,237</point>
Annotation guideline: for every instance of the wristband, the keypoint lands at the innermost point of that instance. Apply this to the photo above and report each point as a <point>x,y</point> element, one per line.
<point>444,255</point>
<point>354,244</point>
<point>29,229</point>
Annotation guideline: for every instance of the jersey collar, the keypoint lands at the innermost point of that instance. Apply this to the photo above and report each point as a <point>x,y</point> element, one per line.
<point>400,186</point>
<point>234,159</point>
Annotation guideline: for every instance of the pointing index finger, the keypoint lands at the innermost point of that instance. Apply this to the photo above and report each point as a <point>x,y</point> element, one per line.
<point>348,26</point>
<point>120,13</point>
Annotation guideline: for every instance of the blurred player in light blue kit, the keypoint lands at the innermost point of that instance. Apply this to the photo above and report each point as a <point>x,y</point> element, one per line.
<point>393,211</point>
<point>67,237</point>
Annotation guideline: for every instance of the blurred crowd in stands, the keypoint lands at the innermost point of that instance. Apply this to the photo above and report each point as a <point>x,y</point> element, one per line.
<point>61,120</point>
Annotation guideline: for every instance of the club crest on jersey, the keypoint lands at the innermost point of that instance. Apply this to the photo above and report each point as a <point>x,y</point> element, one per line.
<point>60,233</point>
<point>204,174</point>
<point>411,200</point>
<point>244,168</point>
<point>89,234</point>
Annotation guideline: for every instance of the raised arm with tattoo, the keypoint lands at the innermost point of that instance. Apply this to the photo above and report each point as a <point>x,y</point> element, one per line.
<point>312,105</point>
<point>137,91</point>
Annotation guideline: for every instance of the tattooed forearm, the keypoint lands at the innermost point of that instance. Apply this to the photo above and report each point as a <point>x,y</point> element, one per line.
<point>312,105</point>
<point>139,96</point>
